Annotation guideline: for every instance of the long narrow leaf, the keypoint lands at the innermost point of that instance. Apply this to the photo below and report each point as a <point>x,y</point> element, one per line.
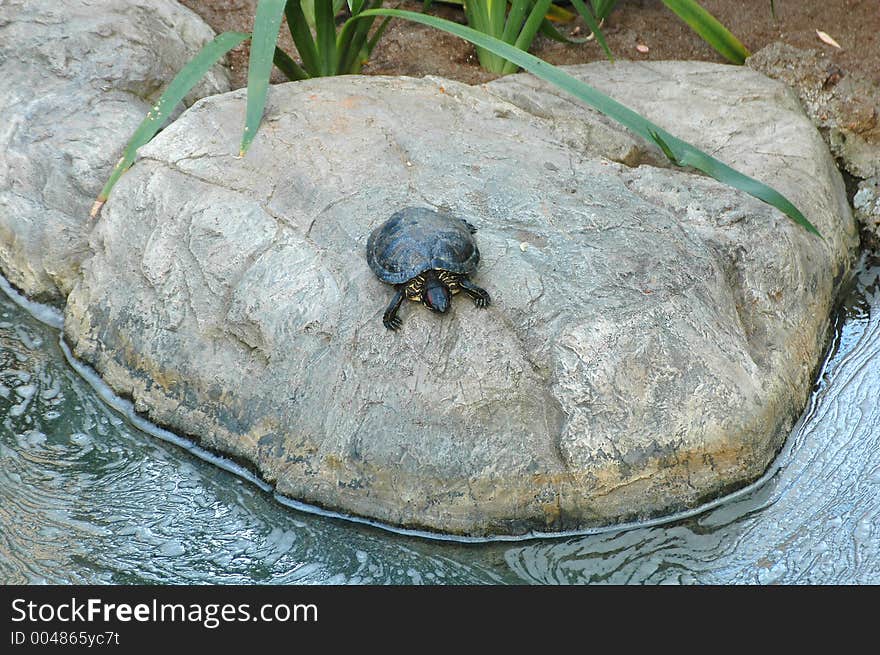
<point>681,152</point>
<point>533,22</point>
<point>325,30</point>
<point>302,37</point>
<point>182,83</point>
<point>603,7</point>
<point>477,14</point>
<point>529,30</point>
<point>350,46</point>
<point>724,173</point>
<point>497,11</point>
<point>708,27</point>
<point>288,66</point>
<point>515,19</point>
<point>556,13</point>
<point>371,44</point>
<point>593,24</point>
<point>267,22</point>
<point>548,30</point>
<point>559,15</point>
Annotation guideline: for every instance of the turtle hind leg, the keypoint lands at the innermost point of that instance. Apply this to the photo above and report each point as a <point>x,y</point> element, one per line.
<point>390,318</point>
<point>480,295</point>
<point>470,226</point>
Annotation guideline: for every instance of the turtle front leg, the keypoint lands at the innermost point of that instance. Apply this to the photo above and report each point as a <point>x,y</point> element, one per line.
<point>389,318</point>
<point>480,295</point>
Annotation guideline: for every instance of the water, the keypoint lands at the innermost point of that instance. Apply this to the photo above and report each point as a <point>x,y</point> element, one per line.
<point>86,497</point>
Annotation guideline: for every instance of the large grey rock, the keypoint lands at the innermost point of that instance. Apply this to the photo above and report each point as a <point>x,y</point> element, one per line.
<point>651,341</point>
<point>76,78</point>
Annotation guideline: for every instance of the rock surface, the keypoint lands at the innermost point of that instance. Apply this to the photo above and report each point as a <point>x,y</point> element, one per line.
<point>651,340</point>
<point>844,106</point>
<point>846,109</point>
<point>76,78</point>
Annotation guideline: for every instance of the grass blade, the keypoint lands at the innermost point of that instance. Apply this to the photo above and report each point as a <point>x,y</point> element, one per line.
<point>477,14</point>
<point>533,22</point>
<point>377,35</point>
<point>603,7</point>
<point>724,173</point>
<point>556,13</point>
<point>548,30</point>
<point>515,18</point>
<point>593,24</point>
<point>677,150</point>
<point>182,83</point>
<point>302,37</point>
<point>497,10</point>
<point>325,29</point>
<point>559,15</point>
<point>352,38</point>
<point>267,22</point>
<point>708,27</point>
<point>288,66</point>
<point>528,32</point>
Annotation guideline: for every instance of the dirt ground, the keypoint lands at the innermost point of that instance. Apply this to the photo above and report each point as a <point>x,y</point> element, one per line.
<point>411,49</point>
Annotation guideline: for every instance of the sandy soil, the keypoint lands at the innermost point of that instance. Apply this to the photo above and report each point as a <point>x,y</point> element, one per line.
<point>410,49</point>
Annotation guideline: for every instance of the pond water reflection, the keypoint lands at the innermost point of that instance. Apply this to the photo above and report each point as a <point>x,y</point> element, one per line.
<point>85,497</point>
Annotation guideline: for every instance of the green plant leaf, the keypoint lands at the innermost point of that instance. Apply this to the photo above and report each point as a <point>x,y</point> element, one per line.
<point>514,22</point>
<point>478,16</point>
<point>593,24</point>
<point>497,10</point>
<point>302,37</point>
<point>355,6</point>
<point>308,10</point>
<point>182,83</point>
<point>678,151</point>
<point>371,44</point>
<point>267,22</point>
<point>559,15</point>
<point>708,27</point>
<point>555,13</point>
<point>325,32</point>
<point>550,31</point>
<point>529,31</point>
<point>724,173</point>
<point>603,7</point>
<point>288,66</point>
<point>352,39</point>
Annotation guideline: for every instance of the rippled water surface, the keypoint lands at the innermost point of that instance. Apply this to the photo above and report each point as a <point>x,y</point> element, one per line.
<point>85,497</point>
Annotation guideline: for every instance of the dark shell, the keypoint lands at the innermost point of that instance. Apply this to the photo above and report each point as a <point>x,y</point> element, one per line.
<point>415,240</point>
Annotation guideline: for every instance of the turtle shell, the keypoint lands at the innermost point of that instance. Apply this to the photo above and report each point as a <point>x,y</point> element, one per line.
<point>415,240</point>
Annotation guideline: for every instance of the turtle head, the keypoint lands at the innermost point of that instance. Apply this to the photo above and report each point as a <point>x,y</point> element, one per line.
<point>435,295</point>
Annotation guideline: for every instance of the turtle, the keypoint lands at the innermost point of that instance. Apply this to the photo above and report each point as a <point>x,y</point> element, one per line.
<point>428,256</point>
